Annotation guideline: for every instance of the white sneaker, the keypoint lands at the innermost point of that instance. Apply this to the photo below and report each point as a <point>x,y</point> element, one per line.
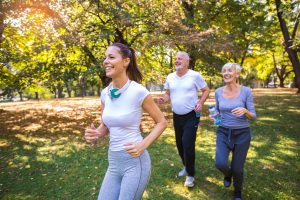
<point>189,181</point>
<point>182,172</point>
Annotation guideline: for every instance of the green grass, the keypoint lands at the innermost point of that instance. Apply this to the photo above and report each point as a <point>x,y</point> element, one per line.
<point>43,154</point>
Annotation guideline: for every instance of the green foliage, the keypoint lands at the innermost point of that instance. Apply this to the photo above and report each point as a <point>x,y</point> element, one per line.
<point>59,45</point>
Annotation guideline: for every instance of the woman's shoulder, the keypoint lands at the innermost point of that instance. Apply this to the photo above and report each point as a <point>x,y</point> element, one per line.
<point>219,90</point>
<point>104,94</point>
<point>245,89</point>
<point>137,86</point>
<point>138,91</point>
<point>104,91</point>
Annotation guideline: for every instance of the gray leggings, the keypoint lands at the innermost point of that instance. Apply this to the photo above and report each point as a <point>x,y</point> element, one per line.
<point>126,177</point>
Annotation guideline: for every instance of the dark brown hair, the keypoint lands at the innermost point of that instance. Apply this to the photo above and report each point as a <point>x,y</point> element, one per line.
<point>132,70</point>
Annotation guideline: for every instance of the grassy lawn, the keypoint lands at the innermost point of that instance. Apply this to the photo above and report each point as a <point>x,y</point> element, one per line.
<point>43,154</point>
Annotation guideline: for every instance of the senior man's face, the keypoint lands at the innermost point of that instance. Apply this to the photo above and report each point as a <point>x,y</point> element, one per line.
<point>181,62</point>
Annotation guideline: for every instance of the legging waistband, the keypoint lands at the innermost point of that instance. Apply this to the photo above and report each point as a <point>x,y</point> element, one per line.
<point>231,130</point>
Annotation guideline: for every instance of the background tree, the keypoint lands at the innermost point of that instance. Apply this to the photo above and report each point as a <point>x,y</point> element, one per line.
<point>57,46</point>
<point>289,11</point>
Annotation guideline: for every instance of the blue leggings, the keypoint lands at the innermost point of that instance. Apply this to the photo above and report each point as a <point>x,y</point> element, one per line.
<point>126,177</point>
<point>236,141</point>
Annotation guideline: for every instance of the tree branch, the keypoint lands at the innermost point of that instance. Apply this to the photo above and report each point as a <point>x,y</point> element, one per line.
<point>295,27</point>
<point>287,74</point>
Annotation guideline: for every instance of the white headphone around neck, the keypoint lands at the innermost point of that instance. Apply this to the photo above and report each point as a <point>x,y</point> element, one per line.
<point>115,93</point>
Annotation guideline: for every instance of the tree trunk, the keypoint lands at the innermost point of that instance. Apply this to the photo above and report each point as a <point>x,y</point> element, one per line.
<point>295,82</point>
<point>104,80</point>
<point>192,62</point>
<point>281,82</point>
<point>36,95</point>
<point>274,82</point>
<point>171,62</point>
<point>210,83</point>
<point>98,90</point>
<point>119,37</point>
<point>288,42</point>
<point>21,95</point>
<point>69,91</point>
<point>60,91</point>
<point>83,86</point>
<point>279,72</point>
<point>55,93</point>
<point>1,22</point>
<point>245,53</point>
<point>193,58</point>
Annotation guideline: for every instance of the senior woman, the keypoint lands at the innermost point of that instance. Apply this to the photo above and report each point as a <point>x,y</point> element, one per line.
<point>234,102</point>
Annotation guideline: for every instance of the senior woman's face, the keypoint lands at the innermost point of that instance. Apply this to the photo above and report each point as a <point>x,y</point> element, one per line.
<point>230,75</point>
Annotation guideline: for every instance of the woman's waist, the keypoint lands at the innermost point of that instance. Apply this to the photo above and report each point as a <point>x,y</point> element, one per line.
<point>237,123</point>
<point>233,130</point>
<point>236,135</point>
<point>118,142</point>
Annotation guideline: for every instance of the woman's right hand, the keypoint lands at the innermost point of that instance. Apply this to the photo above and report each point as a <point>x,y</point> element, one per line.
<point>92,134</point>
<point>160,100</point>
<point>212,118</point>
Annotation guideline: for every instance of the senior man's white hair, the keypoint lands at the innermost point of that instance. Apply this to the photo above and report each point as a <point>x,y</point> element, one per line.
<point>185,54</point>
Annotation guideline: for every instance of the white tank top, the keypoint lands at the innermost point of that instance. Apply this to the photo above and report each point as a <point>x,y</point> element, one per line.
<point>122,115</point>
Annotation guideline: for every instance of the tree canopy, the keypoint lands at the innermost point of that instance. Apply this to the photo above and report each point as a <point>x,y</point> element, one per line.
<point>58,46</point>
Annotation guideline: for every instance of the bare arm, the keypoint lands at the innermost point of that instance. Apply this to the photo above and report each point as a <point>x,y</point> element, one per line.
<point>243,111</point>
<point>249,111</point>
<point>205,93</point>
<point>136,149</point>
<point>92,134</point>
<point>249,115</point>
<point>165,98</point>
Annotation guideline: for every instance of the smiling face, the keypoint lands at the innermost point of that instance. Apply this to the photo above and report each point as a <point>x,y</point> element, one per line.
<point>230,74</point>
<point>181,61</point>
<point>114,63</point>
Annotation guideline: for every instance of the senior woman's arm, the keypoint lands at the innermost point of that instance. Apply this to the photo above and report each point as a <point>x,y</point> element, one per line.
<point>249,111</point>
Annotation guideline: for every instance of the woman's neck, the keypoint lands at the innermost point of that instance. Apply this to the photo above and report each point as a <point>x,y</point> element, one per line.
<point>232,86</point>
<point>119,82</point>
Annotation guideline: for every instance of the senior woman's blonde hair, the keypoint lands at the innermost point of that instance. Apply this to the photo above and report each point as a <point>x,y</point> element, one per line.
<point>234,66</point>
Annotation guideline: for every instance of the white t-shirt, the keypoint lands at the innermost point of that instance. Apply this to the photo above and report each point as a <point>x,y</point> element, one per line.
<point>122,115</point>
<point>184,91</point>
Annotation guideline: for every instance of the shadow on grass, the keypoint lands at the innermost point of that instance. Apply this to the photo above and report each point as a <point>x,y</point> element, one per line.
<point>43,154</point>
<point>274,157</point>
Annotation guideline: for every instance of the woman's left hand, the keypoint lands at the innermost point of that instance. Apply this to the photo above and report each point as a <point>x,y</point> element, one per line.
<point>134,149</point>
<point>239,111</point>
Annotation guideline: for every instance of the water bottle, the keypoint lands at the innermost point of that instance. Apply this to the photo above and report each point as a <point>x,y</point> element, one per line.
<point>198,114</point>
<point>212,112</point>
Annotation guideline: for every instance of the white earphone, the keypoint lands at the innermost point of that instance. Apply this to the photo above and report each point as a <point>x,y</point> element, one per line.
<point>115,93</point>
